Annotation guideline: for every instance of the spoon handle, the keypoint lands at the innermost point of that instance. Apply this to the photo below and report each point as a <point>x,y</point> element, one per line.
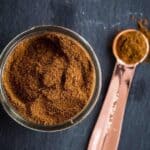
<point>107,130</point>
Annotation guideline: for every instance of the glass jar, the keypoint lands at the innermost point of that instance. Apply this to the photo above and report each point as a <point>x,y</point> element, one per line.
<point>80,116</point>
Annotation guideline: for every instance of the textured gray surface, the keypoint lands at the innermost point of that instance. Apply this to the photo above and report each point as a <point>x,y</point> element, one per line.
<point>97,21</point>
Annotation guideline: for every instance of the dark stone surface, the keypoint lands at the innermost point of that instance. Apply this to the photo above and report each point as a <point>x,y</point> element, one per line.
<point>97,21</point>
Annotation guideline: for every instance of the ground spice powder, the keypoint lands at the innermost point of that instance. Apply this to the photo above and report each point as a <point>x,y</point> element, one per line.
<point>49,78</point>
<point>131,47</point>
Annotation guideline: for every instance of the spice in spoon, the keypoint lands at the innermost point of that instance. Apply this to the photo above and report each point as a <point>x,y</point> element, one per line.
<point>131,47</point>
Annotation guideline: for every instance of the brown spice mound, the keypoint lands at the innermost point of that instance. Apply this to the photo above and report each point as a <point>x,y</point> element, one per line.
<point>49,78</point>
<point>131,47</point>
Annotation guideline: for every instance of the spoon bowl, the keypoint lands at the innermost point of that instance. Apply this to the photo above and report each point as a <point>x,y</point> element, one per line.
<point>114,47</point>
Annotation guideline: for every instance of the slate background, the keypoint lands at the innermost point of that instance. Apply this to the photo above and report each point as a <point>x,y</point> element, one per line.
<point>97,21</point>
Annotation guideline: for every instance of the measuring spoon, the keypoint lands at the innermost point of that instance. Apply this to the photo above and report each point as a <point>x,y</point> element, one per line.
<point>107,130</point>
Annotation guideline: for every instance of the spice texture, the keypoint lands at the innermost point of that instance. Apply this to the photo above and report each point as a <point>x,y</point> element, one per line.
<point>131,47</point>
<point>48,78</point>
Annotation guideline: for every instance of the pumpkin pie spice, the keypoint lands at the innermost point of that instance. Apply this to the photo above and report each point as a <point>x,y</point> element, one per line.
<point>131,47</point>
<point>48,78</point>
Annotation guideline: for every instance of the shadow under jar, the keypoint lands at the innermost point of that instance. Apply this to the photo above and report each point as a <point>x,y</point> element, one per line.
<point>52,88</point>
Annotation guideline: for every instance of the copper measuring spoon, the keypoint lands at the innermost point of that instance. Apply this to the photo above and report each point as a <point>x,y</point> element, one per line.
<point>106,133</point>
